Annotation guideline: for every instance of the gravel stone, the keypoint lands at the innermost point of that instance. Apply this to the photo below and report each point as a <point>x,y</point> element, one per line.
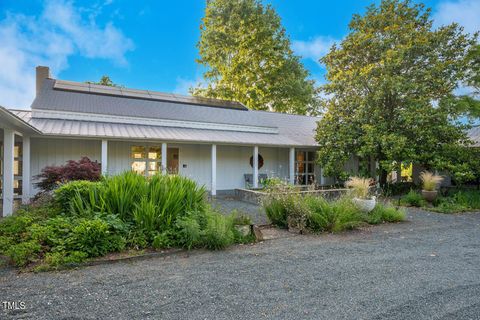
<point>427,268</point>
<point>226,204</point>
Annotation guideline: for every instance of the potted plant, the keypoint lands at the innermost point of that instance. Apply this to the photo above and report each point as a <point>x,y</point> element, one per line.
<point>360,189</point>
<point>430,183</point>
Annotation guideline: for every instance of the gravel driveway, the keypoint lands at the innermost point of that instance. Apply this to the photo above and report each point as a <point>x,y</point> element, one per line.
<point>227,204</point>
<point>428,268</point>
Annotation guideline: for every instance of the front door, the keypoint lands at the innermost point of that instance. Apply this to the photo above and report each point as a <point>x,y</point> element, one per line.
<point>172,160</point>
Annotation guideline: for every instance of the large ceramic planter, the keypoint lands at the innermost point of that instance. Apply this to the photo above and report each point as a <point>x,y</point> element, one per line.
<point>365,205</point>
<point>430,196</point>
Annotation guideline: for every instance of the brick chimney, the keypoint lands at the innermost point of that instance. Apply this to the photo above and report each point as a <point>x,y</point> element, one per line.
<point>42,73</point>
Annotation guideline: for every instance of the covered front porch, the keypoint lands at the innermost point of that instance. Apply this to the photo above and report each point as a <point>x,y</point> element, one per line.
<point>14,161</point>
<point>219,167</point>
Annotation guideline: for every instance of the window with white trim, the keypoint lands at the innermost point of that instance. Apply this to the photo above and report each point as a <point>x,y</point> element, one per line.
<point>146,160</point>
<point>304,167</point>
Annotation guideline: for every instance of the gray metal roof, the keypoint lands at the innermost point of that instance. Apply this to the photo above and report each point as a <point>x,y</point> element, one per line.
<point>105,103</point>
<point>11,120</point>
<point>290,134</point>
<point>61,100</point>
<point>474,135</point>
<point>85,87</point>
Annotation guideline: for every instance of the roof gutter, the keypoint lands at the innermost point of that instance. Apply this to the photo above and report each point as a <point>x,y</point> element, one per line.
<point>16,122</point>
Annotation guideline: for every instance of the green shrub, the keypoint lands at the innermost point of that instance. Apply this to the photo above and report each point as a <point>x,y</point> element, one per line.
<point>16,225</point>
<point>154,203</point>
<point>5,243</point>
<point>276,210</point>
<point>347,215</point>
<point>94,238</point>
<point>24,252</point>
<point>92,219</point>
<point>122,193</point>
<point>189,234</point>
<point>457,201</point>
<point>467,198</point>
<point>52,232</point>
<point>382,213</point>
<point>163,240</point>
<point>413,198</point>
<point>218,233</point>
<point>273,184</point>
<point>68,191</point>
<point>62,258</point>
<point>317,214</point>
<point>145,216</point>
<point>241,219</point>
<point>174,197</point>
<point>137,239</point>
<point>322,214</point>
<point>298,213</point>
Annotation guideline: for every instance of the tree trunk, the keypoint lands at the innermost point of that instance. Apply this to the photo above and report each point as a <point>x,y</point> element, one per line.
<point>383,177</point>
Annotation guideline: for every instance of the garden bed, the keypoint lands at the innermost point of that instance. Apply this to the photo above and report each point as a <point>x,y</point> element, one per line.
<point>451,201</point>
<point>84,221</point>
<point>255,196</point>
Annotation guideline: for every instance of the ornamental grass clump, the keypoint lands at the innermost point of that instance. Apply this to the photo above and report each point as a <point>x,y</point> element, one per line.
<point>360,187</point>
<point>316,214</point>
<point>430,181</point>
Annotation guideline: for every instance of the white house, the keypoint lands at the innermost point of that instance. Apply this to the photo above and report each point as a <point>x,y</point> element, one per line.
<point>214,142</point>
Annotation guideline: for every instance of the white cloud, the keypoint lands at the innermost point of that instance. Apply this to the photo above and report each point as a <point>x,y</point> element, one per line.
<point>58,32</point>
<point>184,84</point>
<point>313,49</point>
<point>464,12</point>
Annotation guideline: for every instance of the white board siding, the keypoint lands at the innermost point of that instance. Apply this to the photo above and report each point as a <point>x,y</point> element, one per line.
<point>195,162</point>
<point>119,156</point>
<point>233,162</point>
<point>53,152</point>
<point>195,158</point>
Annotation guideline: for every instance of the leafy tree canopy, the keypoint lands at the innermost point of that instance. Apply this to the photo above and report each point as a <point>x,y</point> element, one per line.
<point>470,103</point>
<point>105,81</point>
<point>387,80</point>
<point>248,58</point>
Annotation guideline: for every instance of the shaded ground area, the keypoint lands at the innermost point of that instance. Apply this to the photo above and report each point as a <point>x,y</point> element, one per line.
<point>227,203</point>
<point>428,268</point>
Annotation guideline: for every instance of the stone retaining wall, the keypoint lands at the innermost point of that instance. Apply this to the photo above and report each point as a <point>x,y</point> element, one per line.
<point>256,196</point>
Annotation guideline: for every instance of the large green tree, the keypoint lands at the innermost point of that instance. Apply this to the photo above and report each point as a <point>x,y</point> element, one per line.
<point>248,58</point>
<point>470,103</point>
<point>386,79</point>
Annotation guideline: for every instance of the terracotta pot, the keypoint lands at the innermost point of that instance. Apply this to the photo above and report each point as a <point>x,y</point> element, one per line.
<point>365,205</point>
<point>430,196</point>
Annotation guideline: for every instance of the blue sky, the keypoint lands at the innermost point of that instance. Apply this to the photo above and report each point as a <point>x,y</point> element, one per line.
<point>152,44</point>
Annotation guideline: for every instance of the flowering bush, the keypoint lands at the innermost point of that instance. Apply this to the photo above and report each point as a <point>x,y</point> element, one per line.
<point>84,169</point>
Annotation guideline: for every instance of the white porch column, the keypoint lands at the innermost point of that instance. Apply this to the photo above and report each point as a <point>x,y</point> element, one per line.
<point>26,170</point>
<point>104,159</point>
<point>164,158</point>
<point>8,147</point>
<point>291,166</point>
<point>214,170</point>
<point>255,167</point>
<point>322,177</point>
